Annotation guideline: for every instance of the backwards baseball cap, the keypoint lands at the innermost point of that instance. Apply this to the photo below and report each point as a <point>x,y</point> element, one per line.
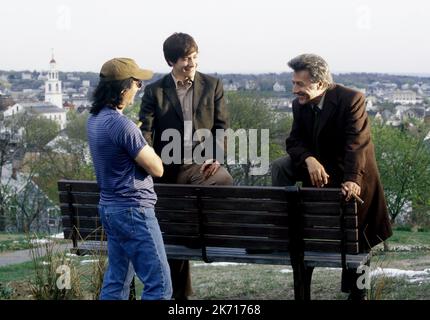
<point>123,68</point>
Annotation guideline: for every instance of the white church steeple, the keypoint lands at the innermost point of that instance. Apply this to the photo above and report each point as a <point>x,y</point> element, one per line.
<point>53,92</point>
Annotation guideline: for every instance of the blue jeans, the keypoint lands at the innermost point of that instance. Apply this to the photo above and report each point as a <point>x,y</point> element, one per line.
<point>134,242</point>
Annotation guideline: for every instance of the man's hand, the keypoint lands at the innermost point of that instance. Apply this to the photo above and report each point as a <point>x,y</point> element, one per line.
<point>349,188</point>
<point>209,168</point>
<point>317,173</point>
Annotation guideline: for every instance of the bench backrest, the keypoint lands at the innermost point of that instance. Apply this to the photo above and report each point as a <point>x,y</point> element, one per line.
<point>229,216</point>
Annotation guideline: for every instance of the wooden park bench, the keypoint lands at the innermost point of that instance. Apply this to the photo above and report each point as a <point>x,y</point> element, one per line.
<point>301,227</point>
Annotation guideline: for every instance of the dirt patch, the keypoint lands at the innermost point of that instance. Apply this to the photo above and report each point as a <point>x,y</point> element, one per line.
<point>21,290</point>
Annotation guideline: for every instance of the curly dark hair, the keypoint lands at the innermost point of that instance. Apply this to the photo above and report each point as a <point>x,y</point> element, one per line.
<point>108,94</point>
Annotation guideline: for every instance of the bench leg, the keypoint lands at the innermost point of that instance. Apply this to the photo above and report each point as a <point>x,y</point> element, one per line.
<point>302,282</point>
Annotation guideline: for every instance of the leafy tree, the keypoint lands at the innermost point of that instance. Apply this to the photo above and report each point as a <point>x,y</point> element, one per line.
<point>404,163</point>
<point>77,125</point>
<point>250,112</point>
<point>38,132</point>
<point>67,157</point>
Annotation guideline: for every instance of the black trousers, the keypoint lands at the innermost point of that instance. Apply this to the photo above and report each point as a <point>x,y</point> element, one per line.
<point>285,174</point>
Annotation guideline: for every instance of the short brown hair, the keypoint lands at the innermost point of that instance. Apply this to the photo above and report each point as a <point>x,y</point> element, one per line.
<point>178,45</point>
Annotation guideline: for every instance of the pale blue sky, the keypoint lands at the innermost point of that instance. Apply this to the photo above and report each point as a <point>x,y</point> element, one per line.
<point>240,36</point>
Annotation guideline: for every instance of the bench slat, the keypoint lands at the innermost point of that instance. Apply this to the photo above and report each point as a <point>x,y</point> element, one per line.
<point>79,197</point>
<point>217,192</point>
<point>321,194</point>
<point>177,216</point>
<point>80,210</point>
<point>176,204</point>
<point>244,204</point>
<point>82,185</point>
<point>330,234</point>
<point>327,208</point>
<point>281,220</point>
<point>180,190</point>
<point>246,242</point>
<point>226,229</point>
<point>311,221</point>
<point>250,230</point>
<point>330,246</point>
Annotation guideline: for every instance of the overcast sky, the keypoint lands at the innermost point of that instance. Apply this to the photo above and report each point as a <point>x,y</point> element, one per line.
<point>241,36</point>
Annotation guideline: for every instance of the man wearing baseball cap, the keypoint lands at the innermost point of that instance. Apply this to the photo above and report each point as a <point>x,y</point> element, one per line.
<point>124,164</point>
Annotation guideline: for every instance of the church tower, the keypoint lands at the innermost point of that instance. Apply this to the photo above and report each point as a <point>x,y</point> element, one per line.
<point>53,92</point>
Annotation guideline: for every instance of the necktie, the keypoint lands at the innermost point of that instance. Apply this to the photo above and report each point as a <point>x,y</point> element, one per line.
<point>317,112</point>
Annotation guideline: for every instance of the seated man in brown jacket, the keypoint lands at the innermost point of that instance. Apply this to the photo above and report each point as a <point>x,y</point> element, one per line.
<point>184,100</point>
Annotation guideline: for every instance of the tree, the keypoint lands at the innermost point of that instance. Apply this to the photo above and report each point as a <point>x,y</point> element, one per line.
<point>404,163</point>
<point>66,157</point>
<point>77,125</point>
<point>27,207</point>
<point>11,145</point>
<point>250,112</point>
<point>38,132</point>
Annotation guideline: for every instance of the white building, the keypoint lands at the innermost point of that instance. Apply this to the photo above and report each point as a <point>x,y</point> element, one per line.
<point>53,92</point>
<point>26,76</point>
<point>41,109</point>
<point>72,77</point>
<point>404,97</point>
<point>230,87</point>
<point>251,85</point>
<point>13,110</point>
<point>80,101</point>
<point>277,87</point>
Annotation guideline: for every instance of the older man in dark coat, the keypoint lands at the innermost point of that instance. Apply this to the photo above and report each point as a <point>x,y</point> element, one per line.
<point>330,146</point>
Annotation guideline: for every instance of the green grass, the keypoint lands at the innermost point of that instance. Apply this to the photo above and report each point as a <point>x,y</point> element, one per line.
<point>401,289</point>
<point>16,272</point>
<point>262,282</point>
<point>11,242</point>
<point>11,236</point>
<point>20,241</point>
<point>410,238</point>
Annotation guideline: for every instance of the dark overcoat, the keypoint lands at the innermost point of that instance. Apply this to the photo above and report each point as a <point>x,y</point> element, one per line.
<point>344,147</point>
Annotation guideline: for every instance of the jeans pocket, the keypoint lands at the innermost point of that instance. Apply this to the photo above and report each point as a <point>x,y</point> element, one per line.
<point>121,220</point>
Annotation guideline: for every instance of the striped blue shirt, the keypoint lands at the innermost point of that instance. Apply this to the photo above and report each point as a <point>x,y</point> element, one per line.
<point>114,142</point>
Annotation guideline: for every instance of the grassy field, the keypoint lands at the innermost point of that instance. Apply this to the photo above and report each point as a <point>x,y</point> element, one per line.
<point>13,242</point>
<point>410,238</point>
<point>410,251</point>
<point>263,282</point>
